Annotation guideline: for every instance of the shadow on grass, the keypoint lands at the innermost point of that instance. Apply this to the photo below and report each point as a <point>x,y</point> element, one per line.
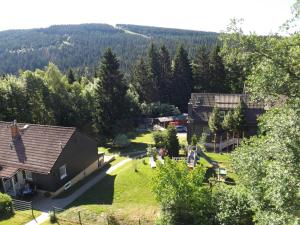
<point>80,183</point>
<point>229,181</point>
<point>101,193</point>
<point>210,172</point>
<point>133,147</point>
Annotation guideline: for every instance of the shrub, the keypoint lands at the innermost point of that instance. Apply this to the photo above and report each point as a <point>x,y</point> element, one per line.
<point>121,140</point>
<point>151,151</point>
<point>159,138</point>
<point>6,208</point>
<point>232,206</point>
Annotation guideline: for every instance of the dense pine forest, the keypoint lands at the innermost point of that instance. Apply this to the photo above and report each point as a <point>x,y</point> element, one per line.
<point>81,46</point>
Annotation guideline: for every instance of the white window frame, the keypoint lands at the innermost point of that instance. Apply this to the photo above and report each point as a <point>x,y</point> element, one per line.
<point>63,172</point>
<point>28,175</point>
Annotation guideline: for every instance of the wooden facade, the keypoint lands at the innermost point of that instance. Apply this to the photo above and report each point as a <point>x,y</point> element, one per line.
<point>47,157</point>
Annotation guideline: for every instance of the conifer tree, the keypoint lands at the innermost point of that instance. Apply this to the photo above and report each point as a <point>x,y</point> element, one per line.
<point>110,97</point>
<point>215,121</point>
<point>154,72</point>
<point>172,141</point>
<point>165,75</point>
<point>71,78</point>
<point>201,73</point>
<point>217,81</point>
<point>141,81</point>
<point>183,79</point>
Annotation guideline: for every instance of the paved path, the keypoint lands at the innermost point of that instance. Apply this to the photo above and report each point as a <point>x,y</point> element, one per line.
<point>45,204</point>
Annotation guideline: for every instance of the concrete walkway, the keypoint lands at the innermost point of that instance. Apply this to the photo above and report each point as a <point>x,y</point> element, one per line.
<point>45,204</point>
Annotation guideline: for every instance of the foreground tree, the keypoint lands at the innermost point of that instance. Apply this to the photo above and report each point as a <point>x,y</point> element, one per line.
<point>268,164</point>
<point>232,206</point>
<point>182,195</point>
<point>110,96</point>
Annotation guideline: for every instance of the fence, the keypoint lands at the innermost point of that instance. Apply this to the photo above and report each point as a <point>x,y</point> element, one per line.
<point>19,205</point>
<point>88,217</point>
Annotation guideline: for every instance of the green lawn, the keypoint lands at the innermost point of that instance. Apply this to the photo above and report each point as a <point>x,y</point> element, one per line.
<point>138,142</point>
<point>224,160</point>
<point>20,218</point>
<point>124,193</point>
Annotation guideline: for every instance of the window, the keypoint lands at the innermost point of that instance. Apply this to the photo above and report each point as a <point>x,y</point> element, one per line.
<point>28,175</point>
<point>63,172</point>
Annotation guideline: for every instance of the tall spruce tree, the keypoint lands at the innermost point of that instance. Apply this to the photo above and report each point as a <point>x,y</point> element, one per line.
<point>201,73</point>
<point>154,71</point>
<point>217,81</point>
<point>182,79</point>
<point>165,75</point>
<point>110,96</point>
<point>141,81</point>
<point>71,78</point>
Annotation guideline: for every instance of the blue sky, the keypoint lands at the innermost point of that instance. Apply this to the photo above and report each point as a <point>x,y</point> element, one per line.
<point>261,16</point>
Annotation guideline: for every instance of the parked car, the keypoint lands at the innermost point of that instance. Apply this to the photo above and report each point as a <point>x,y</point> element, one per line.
<point>181,129</point>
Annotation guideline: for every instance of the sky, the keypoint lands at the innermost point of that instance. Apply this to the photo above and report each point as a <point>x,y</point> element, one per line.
<point>260,16</point>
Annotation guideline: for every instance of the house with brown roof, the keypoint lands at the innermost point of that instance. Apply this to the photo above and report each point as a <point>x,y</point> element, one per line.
<point>49,158</point>
<point>201,106</point>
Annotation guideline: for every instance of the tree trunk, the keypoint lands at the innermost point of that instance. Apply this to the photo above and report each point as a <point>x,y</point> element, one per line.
<point>227,142</point>
<point>215,142</point>
<point>220,145</point>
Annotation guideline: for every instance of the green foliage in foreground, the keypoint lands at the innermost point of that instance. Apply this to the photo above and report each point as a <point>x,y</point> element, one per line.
<point>268,165</point>
<point>183,197</point>
<point>232,206</point>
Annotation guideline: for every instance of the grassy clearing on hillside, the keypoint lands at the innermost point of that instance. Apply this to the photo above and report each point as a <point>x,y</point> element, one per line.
<point>20,218</point>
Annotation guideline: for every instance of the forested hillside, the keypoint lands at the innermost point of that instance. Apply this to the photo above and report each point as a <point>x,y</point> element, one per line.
<point>82,45</point>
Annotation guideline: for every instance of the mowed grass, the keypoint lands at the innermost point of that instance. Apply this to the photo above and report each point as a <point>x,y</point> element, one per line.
<point>125,193</point>
<point>20,218</point>
<point>138,142</point>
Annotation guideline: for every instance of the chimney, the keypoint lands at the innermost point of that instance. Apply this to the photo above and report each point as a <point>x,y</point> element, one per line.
<point>15,132</point>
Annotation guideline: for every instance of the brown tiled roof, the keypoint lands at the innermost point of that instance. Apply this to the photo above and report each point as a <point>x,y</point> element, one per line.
<point>7,171</point>
<point>36,149</point>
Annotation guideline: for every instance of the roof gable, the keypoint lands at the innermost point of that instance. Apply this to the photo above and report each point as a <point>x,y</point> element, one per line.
<point>36,149</point>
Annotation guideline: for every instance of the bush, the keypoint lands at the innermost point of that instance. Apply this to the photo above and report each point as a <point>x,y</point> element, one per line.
<point>232,206</point>
<point>151,151</point>
<point>6,208</point>
<point>159,138</point>
<point>121,141</point>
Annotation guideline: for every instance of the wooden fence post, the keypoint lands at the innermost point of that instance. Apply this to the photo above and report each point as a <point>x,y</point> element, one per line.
<point>79,217</point>
<point>54,216</point>
<point>32,210</point>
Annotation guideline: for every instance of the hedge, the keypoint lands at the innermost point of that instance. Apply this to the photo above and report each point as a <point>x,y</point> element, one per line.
<point>6,208</point>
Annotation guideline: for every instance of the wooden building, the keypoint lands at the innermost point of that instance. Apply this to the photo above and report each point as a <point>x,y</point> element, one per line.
<point>201,106</point>
<point>49,158</point>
